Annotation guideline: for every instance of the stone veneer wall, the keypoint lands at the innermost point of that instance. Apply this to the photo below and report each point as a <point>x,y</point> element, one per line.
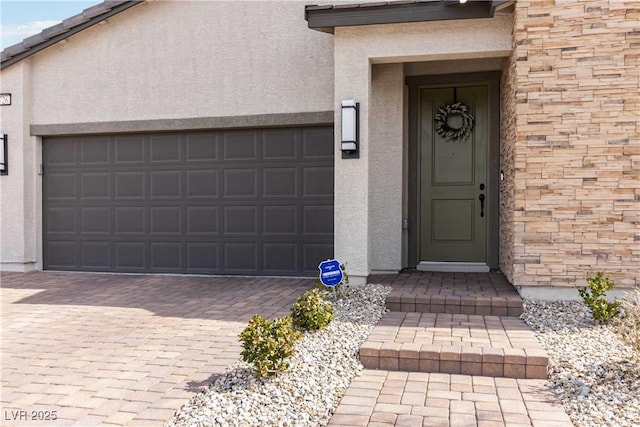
<point>570,143</point>
<point>507,165</point>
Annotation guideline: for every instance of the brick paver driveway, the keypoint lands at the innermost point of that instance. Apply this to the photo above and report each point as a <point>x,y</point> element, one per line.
<point>122,349</point>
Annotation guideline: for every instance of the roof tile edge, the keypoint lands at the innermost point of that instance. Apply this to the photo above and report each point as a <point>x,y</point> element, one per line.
<point>32,43</point>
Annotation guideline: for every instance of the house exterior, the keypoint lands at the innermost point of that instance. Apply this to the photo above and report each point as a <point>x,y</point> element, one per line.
<point>206,138</point>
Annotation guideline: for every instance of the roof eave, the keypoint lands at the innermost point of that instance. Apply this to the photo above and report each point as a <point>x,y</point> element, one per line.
<point>70,26</point>
<point>326,18</point>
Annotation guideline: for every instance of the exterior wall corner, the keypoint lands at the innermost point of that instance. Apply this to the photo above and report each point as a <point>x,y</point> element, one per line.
<point>18,190</point>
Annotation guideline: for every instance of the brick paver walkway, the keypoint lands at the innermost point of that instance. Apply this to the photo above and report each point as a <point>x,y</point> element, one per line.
<point>455,344</point>
<point>460,330</point>
<point>440,357</point>
<point>388,398</point>
<point>122,349</point>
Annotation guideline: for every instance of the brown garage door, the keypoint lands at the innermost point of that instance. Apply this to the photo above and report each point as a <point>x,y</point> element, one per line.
<point>255,202</point>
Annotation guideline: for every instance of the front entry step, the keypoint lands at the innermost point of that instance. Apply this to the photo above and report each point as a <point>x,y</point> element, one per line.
<point>496,346</point>
<point>454,293</point>
<point>455,304</point>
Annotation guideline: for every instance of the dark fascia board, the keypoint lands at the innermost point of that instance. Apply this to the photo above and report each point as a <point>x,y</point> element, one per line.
<point>326,18</point>
<point>70,26</point>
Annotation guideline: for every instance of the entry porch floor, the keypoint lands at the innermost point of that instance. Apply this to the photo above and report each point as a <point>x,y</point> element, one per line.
<point>453,293</point>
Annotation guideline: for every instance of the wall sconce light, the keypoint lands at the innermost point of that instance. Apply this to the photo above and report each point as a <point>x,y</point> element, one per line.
<point>350,129</point>
<point>4,158</point>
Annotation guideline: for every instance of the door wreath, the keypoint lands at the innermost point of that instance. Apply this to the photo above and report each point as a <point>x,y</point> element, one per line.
<point>451,133</point>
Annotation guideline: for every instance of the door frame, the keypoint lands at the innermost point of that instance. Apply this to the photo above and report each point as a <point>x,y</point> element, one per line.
<point>415,84</point>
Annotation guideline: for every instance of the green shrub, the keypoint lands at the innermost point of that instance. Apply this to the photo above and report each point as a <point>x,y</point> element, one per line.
<point>312,311</point>
<point>628,325</point>
<point>593,297</point>
<point>268,343</point>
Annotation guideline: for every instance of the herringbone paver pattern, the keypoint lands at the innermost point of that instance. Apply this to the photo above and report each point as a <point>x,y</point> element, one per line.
<point>122,349</point>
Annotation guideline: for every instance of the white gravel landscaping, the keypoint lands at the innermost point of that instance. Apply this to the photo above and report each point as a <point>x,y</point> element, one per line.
<point>593,372</point>
<point>321,370</point>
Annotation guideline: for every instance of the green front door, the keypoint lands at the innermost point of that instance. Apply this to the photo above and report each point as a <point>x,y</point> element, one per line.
<point>454,186</point>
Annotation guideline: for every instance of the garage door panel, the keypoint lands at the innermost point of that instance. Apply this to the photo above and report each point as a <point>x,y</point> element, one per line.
<point>240,145</point>
<point>164,184</point>
<point>280,144</point>
<point>203,257</point>
<point>95,185</point>
<point>279,182</point>
<point>317,220</point>
<point>313,253</point>
<point>164,149</point>
<point>130,220</point>
<point>166,256</point>
<point>315,143</point>
<point>280,258</point>
<point>61,152</point>
<point>130,256</point>
<point>279,220</point>
<point>211,202</point>
<point>95,150</point>
<point>61,220</point>
<point>240,183</point>
<point>129,149</point>
<point>130,185</point>
<point>61,186</point>
<point>241,257</point>
<point>96,255</point>
<point>202,220</point>
<point>95,220</point>
<point>61,254</point>
<point>240,220</point>
<point>317,181</point>
<point>202,147</point>
<point>166,220</point>
<point>202,183</point>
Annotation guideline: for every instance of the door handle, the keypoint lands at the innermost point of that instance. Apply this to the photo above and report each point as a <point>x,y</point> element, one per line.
<point>481,205</point>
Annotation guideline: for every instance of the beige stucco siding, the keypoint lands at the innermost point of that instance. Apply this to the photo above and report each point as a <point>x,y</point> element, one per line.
<point>168,59</point>
<point>385,179</point>
<point>18,203</point>
<point>430,41</point>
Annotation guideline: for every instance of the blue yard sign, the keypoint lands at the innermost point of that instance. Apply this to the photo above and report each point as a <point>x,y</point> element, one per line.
<point>330,273</point>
